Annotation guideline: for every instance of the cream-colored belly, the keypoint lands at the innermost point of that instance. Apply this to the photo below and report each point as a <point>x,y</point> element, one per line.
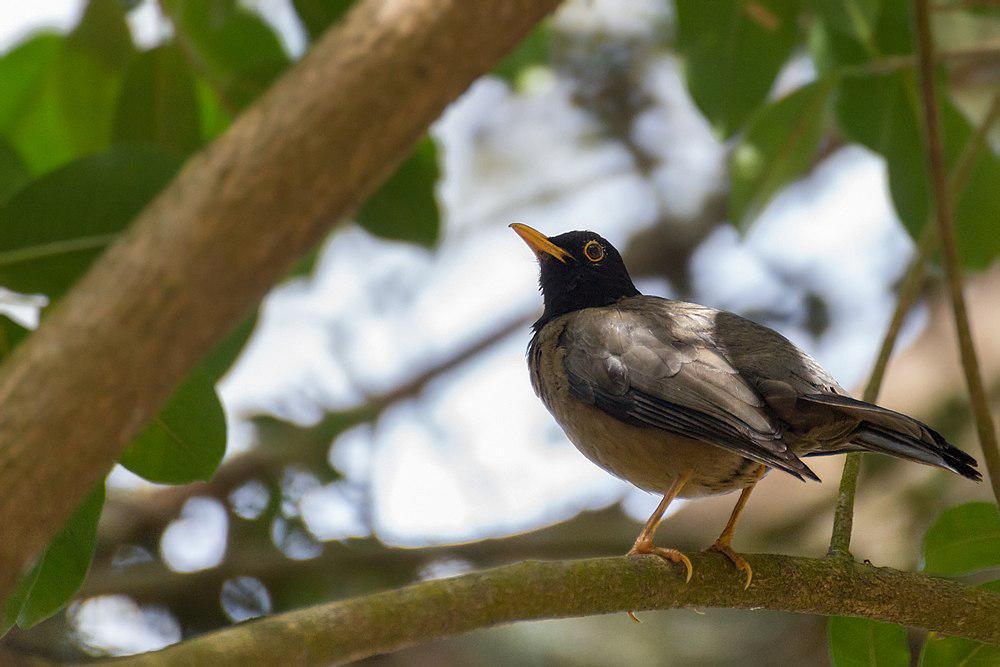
<point>649,458</point>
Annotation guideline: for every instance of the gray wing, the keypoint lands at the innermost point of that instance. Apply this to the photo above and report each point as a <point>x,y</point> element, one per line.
<point>652,362</point>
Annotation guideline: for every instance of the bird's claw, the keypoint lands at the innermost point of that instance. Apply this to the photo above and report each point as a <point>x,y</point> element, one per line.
<point>737,560</point>
<point>672,555</point>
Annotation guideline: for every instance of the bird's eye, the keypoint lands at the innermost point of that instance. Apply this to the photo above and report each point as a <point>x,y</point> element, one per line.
<point>593,251</point>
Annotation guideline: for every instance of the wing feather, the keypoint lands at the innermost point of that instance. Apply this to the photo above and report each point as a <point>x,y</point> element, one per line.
<point>653,371</point>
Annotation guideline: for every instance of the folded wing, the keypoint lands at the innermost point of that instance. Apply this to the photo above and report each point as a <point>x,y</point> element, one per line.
<point>650,370</point>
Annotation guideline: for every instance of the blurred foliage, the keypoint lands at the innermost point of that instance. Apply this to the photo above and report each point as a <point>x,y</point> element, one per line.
<point>733,51</point>
<point>863,51</point>
<point>159,103</point>
<point>318,15</point>
<point>59,571</point>
<point>964,540</point>
<point>231,47</point>
<point>860,642</point>
<point>53,228</point>
<point>779,144</point>
<point>185,443</point>
<point>405,208</point>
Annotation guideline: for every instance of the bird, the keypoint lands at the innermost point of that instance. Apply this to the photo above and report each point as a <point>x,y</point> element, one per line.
<point>687,401</point>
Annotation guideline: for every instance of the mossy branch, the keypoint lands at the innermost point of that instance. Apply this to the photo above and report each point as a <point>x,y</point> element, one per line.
<point>356,628</point>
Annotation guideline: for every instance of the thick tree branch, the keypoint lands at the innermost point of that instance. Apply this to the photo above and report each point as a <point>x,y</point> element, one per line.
<point>943,209</point>
<point>360,627</point>
<point>207,249</point>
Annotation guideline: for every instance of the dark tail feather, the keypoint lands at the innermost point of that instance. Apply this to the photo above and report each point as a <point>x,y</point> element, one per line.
<point>887,432</point>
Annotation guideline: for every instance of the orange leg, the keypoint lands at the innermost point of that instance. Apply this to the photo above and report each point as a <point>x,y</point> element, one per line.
<point>644,543</point>
<point>724,543</point>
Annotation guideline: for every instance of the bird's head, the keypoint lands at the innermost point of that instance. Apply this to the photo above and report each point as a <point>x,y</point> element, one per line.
<point>576,270</point>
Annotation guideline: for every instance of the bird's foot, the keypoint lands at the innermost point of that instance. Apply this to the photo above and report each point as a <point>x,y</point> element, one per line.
<point>738,560</point>
<point>644,548</point>
<point>647,548</point>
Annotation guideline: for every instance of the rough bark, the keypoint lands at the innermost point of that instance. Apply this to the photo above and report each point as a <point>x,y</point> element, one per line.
<point>360,627</point>
<point>231,224</point>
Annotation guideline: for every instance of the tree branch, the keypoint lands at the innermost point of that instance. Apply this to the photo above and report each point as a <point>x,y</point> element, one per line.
<point>943,208</point>
<point>357,628</point>
<point>230,225</point>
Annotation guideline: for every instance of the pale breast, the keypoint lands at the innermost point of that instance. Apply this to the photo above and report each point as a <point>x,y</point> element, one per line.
<point>649,458</point>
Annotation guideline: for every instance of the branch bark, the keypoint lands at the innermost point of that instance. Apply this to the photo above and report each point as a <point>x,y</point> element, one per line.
<point>357,628</point>
<point>230,225</point>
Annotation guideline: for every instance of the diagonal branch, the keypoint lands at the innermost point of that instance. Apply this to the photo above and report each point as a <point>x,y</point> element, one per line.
<point>360,627</point>
<point>228,227</point>
<point>943,209</point>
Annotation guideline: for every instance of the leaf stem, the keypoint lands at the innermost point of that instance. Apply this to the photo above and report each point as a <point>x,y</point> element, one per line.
<point>943,208</point>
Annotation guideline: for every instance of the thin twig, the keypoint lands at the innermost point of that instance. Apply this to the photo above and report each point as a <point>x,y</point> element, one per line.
<point>843,517</point>
<point>909,290</point>
<point>943,208</point>
<point>895,63</point>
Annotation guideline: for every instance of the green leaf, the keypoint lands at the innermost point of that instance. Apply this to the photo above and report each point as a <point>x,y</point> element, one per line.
<point>734,50</point>
<point>158,103</point>
<point>780,143</point>
<point>215,119</point>
<point>60,571</point>
<point>239,53</point>
<point>860,642</point>
<point>59,93</point>
<point>13,172</point>
<point>30,115</point>
<point>221,358</point>
<point>405,208</point>
<point>318,15</point>
<point>964,539</point>
<point>12,334</point>
<point>51,230</point>
<point>186,441</point>
<point>533,51</point>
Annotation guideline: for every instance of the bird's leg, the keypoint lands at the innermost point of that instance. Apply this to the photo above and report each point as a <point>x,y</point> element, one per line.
<point>644,543</point>
<point>724,542</point>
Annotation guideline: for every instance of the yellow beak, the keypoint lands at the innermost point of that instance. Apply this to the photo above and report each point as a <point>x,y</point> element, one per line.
<point>540,243</point>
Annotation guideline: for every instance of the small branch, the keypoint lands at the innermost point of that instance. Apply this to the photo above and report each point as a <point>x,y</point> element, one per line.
<point>953,272</point>
<point>360,627</point>
<point>890,64</point>
<point>843,518</point>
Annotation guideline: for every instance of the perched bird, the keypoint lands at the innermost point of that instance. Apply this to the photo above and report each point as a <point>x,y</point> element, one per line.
<point>687,401</point>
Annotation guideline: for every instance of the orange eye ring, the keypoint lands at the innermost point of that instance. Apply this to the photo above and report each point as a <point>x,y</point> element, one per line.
<point>593,251</point>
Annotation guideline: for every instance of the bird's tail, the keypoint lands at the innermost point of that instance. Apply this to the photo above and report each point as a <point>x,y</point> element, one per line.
<point>887,432</point>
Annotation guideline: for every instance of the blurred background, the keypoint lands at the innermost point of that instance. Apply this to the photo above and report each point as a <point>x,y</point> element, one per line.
<point>380,425</point>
